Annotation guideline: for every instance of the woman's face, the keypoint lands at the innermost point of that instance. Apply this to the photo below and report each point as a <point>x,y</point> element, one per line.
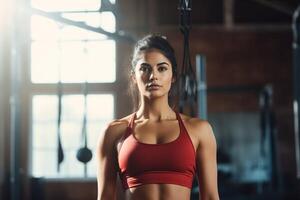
<point>153,74</point>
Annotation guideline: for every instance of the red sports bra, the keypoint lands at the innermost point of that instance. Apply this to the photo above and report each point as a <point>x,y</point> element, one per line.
<point>169,163</point>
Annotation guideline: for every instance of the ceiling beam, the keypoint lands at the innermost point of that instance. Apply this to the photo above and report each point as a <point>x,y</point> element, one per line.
<point>58,17</point>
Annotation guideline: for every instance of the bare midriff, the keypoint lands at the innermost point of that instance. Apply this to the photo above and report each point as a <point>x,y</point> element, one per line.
<point>158,192</point>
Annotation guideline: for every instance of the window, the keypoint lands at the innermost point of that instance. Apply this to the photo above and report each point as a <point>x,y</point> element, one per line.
<point>45,136</point>
<point>72,56</point>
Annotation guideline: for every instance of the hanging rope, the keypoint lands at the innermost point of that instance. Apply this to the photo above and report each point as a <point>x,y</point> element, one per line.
<point>60,152</point>
<point>187,80</point>
<point>84,154</point>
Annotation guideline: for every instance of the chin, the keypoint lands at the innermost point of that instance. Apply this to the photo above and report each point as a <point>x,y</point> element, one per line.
<point>155,95</point>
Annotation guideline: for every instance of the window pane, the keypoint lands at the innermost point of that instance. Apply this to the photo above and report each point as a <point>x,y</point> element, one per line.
<point>71,134</point>
<point>45,29</point>
<point>66,5</point>
<point>71,168</point>
<point>101,61</point>
<point>44,62</point>
<point>93,101</point>
<point>100,110</point>
<point>93,61</point>
<point>69,103</point>
<point>44,108</point>
<point>108,21</point>
<point>45,135</point>
<point>44,163</point>
<point>80,54</point>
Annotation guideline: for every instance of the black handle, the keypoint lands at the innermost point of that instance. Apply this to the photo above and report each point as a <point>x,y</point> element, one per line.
<point>60,152</point>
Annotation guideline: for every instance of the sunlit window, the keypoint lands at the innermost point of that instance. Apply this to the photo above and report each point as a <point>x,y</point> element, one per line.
<point>73,61</point>
<point>100,110</point>
<point>66,5</point>
<point>72,54</point>
<point>69,55</point>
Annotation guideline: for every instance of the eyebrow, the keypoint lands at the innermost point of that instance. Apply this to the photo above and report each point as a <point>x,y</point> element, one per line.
<point>147,64</point>
<point>163,63</point>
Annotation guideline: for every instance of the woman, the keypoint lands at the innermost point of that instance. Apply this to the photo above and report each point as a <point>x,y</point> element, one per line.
<point>156,152</point>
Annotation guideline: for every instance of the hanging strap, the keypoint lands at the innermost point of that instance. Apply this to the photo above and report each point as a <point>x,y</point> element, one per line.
<point>60,152</point>
<point>187,80</point>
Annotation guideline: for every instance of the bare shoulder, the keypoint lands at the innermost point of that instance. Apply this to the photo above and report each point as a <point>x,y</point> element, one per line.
<point>114,130</point>
<point>199,129</point>
<point>196,124</point>
<point>118,125</point>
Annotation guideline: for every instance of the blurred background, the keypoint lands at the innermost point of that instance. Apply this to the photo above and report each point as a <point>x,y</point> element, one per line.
<point>64,69</point>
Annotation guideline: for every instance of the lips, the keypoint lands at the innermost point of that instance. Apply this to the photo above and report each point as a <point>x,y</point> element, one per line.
<point>153,86</point>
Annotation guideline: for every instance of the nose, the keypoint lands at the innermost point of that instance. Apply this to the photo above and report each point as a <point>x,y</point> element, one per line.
<point>153,75</point>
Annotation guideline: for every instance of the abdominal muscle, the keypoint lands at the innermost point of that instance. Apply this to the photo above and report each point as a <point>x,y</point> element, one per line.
<point>158,192</point>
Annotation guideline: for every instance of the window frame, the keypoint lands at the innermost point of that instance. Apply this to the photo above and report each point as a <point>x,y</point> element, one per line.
<point>32,89</point>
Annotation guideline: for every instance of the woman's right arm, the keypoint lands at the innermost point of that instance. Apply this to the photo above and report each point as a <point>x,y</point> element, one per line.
<point>107,164</point>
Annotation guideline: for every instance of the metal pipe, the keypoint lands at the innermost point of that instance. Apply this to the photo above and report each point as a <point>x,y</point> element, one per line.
<point>201,80</point>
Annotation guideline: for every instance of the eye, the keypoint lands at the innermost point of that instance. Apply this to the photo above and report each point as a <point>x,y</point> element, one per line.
<point>144,68</point>
<point>162,68</point>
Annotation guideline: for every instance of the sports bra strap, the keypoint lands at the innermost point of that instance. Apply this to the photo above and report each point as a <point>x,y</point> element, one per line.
<point>182,126</point>
<point>130,125</point>
<point>179,119</point>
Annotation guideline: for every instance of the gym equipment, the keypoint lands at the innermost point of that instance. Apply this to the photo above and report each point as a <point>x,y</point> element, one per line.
<point>187,79</point>
<point>84,154</point>
<point>268,145</point>
<point>60,152</point>
<point>201,77</point>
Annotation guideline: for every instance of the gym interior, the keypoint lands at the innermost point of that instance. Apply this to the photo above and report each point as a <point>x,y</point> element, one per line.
<point>64,75</point>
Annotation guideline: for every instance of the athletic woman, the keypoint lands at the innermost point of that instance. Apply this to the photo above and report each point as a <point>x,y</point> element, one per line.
<point>155,152</point>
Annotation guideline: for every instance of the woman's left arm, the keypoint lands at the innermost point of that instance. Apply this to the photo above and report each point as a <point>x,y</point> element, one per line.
<point>206,158</point>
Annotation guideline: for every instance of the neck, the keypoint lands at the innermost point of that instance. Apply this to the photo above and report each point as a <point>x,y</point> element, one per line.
<point>155,109</point>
